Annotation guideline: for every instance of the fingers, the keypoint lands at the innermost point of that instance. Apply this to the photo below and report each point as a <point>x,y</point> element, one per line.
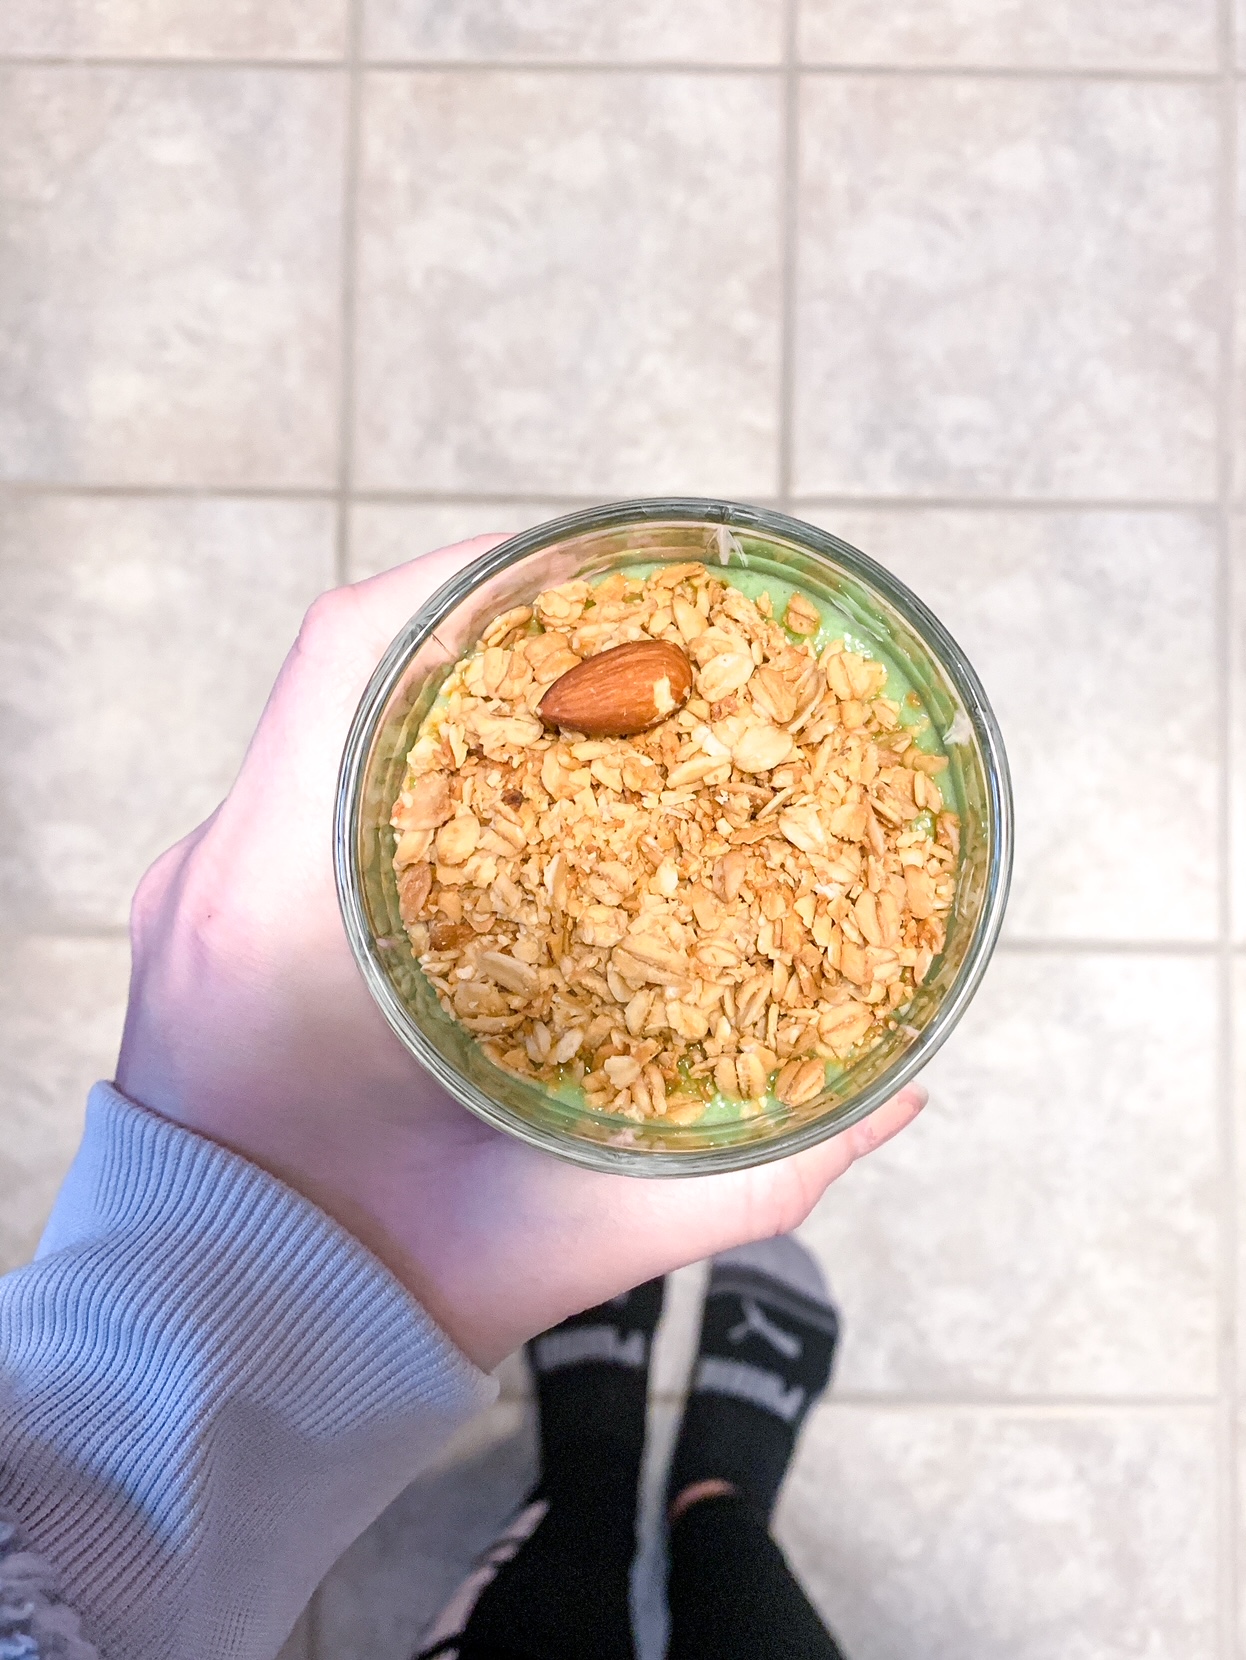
<point>343,637</point>
<point>810,1174</point>
<point>596,1235</point>
<point>717,1212</point>
<point>814,1171</point>
<point>888,1120</point>
<point>386,601</point>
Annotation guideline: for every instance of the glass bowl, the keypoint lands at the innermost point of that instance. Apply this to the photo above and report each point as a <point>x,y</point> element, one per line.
<point>883,612</point>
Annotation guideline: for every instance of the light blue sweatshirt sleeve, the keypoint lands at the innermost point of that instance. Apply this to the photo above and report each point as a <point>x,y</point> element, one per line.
<point>207,1390</point>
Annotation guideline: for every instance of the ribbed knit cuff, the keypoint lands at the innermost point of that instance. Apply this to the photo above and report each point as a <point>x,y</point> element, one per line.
<point>207,1390</point>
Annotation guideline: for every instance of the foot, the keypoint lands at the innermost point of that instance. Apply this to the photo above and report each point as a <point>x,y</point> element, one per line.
<point>768,1337</point>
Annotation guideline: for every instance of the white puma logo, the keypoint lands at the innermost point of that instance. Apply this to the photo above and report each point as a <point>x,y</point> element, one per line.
<point>768,1390</point>
<point>756,1323</point>
<point>572,1345</point>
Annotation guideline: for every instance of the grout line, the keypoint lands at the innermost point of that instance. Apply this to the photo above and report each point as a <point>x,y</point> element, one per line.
<point>1228,1531</point>
<point>644,66</point>
<point>466,496</point>
<point>51,60</point>
<point>1011,72</point>
<point>80,931</point>
<point>171,492</point>
<point>346,315</point>
<point>556,66</point>
<point>789,199</point>
<point>998,504</point>
<point>490,498</point>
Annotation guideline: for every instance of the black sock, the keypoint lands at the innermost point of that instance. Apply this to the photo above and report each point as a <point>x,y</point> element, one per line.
<point>564,1593</point>
<point>768,1338</point>
<point>592,1382</point>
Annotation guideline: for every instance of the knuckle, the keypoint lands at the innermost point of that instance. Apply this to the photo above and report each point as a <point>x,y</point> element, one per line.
<point>324,619</point>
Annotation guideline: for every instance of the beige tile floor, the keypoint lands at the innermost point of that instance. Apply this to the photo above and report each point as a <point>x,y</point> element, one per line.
<point>291,290</point>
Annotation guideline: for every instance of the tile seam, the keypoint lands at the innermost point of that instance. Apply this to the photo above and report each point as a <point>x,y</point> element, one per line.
<point>1229,1526</point>
<point>173,64</point>
<point>346,313</point>
<point>789,187</point>
<point>1136,74</point>
<point>379,495</point>
<point>997,504</point>
<point>161,492</point>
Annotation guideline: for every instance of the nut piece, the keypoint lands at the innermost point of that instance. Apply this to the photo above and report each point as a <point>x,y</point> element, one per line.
<point>414,886</point>
<point>761,748</point>
<point>729,874</point>
<point>426,806</point>
<point>456,841</point>
<point>621,691</point>
<point>724,674</point>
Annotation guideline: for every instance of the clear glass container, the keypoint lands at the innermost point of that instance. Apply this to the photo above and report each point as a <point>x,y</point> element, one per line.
<point>883,613</point>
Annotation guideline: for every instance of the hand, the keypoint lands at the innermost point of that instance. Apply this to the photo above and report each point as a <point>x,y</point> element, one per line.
<point>249,1023</point>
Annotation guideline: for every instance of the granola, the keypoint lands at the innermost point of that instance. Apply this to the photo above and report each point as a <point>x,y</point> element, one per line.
<point>718,906</point>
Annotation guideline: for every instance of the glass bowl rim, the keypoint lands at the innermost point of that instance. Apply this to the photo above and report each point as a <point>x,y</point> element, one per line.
<point>733,516</point>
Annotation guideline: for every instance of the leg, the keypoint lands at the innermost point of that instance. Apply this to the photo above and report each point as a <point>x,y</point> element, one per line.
<point>556,1587</point>
<point>767,1345</point>
<point>732,1594</point>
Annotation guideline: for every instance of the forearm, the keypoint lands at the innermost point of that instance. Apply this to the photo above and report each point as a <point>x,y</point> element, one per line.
<point>207,1390</point>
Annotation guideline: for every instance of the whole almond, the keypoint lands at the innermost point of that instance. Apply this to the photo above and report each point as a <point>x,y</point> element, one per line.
<point>621,691</point>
